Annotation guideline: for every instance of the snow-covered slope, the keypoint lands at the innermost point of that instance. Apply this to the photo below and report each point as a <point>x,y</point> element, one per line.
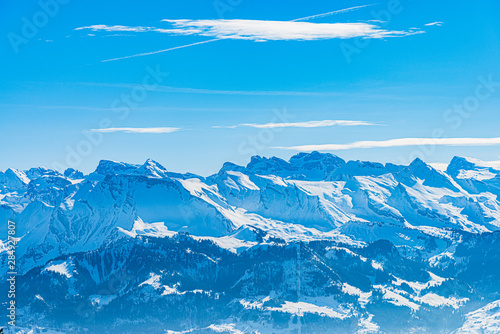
<point>485,320</point>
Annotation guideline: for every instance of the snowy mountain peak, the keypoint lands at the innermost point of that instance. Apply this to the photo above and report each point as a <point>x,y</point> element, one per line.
<point>315,165</point>
<point>431,177</point>
<point>262,165</point>
<point>303,166</point>
<point>357,168</point>
<point>13,178</point>
<point>419,163</point>
<point>35,173</point>
<point>327,158</point>
<point>106,167</point>
<point>422,170</point>
<point>229,166</point>
<point>152,168</point>
<point>74,174</point>
<point>459,163</point>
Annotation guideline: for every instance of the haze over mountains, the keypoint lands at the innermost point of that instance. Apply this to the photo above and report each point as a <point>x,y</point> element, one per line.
<point>307,245</point>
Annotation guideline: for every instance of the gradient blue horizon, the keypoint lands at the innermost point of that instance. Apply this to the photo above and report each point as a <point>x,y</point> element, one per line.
<point>57,88</point>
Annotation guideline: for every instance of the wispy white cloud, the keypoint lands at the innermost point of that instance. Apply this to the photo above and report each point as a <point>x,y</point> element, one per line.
<point>437,23</point>
<point>137,130</point>
<point>120,28</point>
<point>397,143</point>
<point>261,30</point>
<point>308,124</point>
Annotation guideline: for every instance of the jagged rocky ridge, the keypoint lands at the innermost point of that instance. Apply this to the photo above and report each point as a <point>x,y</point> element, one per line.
<point>314,243</point>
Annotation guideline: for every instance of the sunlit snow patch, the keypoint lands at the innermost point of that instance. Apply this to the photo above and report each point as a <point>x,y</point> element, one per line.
<point>157,229</point>
<point>302,307</point>
<point>65,268</point>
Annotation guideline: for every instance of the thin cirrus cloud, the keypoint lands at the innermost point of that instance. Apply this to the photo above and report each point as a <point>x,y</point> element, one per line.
<point>262,30</point>
<point>397,143</point>
<point>137,130</point>
<point>437,24</point>
<point>308,124</point>
<point>121,28</point>
<point>259,30</point>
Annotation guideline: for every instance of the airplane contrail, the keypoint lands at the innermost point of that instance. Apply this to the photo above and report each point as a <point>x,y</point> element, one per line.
<point>218,39</point>
<point>331,13</point>
<point>160,51</point>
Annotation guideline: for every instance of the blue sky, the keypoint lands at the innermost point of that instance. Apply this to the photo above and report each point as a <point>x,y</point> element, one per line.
<point>404,78</point>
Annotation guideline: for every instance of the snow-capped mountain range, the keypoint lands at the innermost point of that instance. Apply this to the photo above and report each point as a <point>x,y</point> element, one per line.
<point>314,245</point>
